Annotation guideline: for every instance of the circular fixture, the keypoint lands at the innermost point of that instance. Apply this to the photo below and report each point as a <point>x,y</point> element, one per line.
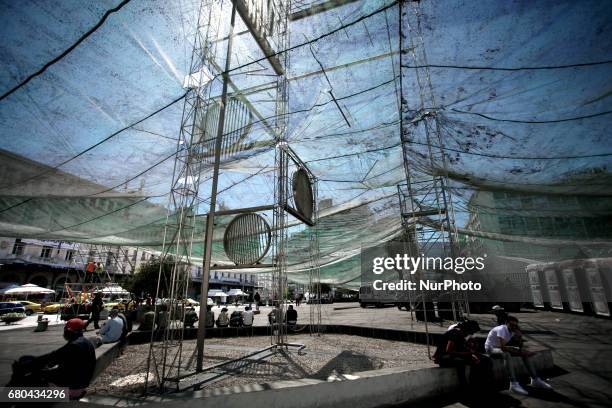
<point>247,239</point>
<point>302,193</point>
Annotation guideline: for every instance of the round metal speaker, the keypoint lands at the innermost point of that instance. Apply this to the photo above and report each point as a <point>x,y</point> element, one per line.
<point>247,239</point>
<point>302,193</point>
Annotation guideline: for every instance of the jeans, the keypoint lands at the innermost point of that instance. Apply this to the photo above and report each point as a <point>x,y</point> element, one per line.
<point>497,352</point>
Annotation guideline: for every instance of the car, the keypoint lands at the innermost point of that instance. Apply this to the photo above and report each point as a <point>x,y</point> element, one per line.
<point>72,310</point>
<point>119,305</point>
<point>111,305</point>
<point>53,308</point>
<point>30,307</point>
<point>191,302</point>
<point>11,307</point>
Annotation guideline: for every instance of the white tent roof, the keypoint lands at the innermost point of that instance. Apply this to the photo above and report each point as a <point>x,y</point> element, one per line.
<point>236,292</point>
<point>115,289</point>
<point>3,290</point>
<point>217,293</point>
<point>28,289</point>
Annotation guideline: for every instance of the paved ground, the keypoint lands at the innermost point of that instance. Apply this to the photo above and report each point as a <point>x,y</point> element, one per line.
<point>30,321</point>
<point>582,349</point>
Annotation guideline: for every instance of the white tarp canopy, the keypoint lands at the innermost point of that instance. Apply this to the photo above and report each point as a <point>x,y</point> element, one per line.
<point>217,293</point>
<point>114,290</point>
<point>28,289</point>
<point>236,292</point>
<point>3,290</point>
<point>88,138</point>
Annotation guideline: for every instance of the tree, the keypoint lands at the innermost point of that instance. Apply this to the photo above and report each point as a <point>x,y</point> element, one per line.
<point>145,280</point>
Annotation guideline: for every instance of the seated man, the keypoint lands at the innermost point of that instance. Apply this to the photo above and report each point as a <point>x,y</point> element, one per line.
<point>247,316</point>
<point>72,365</point>
<point>112,329</point>
<point>236,319</point>
<point>127,325</point>
<point>210,317</point>
<point>497,344</point>
<point>454,350</point>
<point>275,315</point>
<point>223,319</point>
<point>191,317</point>
<point>292,316</point>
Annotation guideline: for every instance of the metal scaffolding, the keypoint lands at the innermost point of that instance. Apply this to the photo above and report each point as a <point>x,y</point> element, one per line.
<point>203,140</point>
<point>425,202</point>
<point>165,365</point>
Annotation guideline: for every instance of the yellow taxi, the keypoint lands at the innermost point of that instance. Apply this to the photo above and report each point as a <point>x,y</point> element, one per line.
<point>118,305</point>
<point>30,307</point>
<point>53,308</point>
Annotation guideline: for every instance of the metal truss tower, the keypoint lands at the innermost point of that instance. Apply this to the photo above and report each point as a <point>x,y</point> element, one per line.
<point>201,137</point>
<point>425,201</point>
<point>166,363</point>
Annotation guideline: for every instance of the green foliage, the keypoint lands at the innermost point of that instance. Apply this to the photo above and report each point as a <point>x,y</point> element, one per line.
<point>145,279</point>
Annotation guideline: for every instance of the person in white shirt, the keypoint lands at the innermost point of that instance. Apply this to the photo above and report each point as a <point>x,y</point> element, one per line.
<point>498,344</point>
<point>247,316</point>
<point>112,329</point>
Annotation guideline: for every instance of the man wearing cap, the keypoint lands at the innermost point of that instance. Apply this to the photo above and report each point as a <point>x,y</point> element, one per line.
<point>72,364</point>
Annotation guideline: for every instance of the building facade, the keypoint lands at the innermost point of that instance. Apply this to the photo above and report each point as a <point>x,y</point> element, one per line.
<point>573,219</point>
<point>50,264</point>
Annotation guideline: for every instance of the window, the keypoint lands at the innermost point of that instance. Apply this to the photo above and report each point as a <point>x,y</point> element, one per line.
<point>18,247</point>
<point>46,252</point>
<point>546,226</point>
<point>69,255</point>
<point>526,201</point>
<point>498,195</point>
<point>505,224</point>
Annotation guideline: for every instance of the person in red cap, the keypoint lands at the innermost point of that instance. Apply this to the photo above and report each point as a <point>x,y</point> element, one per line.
<point>72,365</point>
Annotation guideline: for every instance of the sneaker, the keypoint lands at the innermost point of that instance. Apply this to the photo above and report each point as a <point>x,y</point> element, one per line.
<point>539,383</point>
<point>517,388</point>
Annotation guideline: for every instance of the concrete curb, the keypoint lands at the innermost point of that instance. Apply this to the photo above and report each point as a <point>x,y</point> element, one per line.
<point>413,336</point>
<point>105,354</point>
<point>366,389</point>
<point>358,390</point>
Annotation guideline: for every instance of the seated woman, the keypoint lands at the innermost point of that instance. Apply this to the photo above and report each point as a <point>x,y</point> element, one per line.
<point>223,319</point>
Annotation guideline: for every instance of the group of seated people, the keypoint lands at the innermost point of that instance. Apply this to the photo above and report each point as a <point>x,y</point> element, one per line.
<point>459,348</point>
<point>245,318</point>
<point>236,319</point>
<point>276,315</point>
